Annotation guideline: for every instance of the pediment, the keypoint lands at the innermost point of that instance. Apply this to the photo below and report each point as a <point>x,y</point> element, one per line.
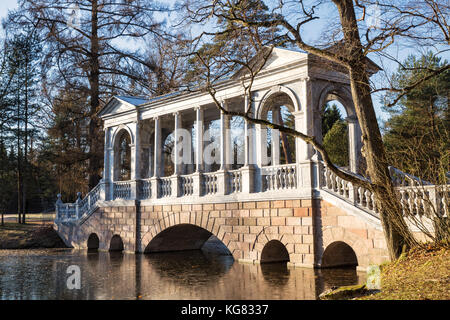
<point>274,59</point>
<point>119,104</point>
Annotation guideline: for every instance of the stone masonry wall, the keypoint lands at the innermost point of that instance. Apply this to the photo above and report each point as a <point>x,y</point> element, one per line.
<point>304,227</point>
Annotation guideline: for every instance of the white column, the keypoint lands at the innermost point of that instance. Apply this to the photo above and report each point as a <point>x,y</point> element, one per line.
<point>176,147</point>
<point>135,151</point>
<point>106,166</point>
<point>157,154</point>
<point>106,159</point>
<point>261,145</point>
<point>275,139</point>
<point>199,139</point>
<point>354,143</point>
<point>225,140</point>
<point>301,147</point>
<point>247,131</point>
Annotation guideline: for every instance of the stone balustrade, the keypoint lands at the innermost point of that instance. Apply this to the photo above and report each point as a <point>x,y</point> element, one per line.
<point>416,199</point>
<point>421,200</point>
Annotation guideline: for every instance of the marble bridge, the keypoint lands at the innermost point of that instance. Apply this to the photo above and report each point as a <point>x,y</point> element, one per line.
<point>265,196</point>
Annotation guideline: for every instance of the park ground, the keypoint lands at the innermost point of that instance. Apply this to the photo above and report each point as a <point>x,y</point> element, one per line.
<point>421,274</point>
<point>37,233</point>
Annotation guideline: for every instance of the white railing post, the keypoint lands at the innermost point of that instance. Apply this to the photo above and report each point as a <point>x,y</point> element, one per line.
<point>77,205</point>
<point>58,206</point>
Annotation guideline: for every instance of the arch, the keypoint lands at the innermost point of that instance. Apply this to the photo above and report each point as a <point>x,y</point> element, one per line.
<point>339,254</point>
<point>181,237</point>
<point>122,155</point>
<point>339,234</point>
<point>93,242</point>
<point>116,132</point>
<point>274,251</point>
<point>278,106</point>
<point>116,243</point>
<point>271,94</point>
<point>339,93</point>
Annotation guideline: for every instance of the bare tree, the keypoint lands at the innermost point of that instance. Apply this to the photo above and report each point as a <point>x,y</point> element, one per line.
<point>85,51</point>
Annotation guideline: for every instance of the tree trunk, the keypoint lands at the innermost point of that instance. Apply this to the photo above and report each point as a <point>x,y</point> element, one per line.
<point>25,148</point>
<point>95,141</point>
<point>19,162</point>
<point>397,233</point>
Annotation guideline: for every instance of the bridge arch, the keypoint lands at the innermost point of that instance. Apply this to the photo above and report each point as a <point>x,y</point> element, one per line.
<point>274,251</point>
<point>336,239</point>
<point>116,243</point>
<point>339,254</point>
<point>93,242</point>
<point>277,242</point>
<point>178,232</point>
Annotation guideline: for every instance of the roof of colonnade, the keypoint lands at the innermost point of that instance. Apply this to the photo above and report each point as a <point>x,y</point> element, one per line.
<point>279,64</point>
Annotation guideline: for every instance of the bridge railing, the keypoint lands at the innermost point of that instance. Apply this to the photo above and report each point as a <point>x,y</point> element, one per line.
<point>279,177</point>
<point>416,197</point>
<point>81,207</point>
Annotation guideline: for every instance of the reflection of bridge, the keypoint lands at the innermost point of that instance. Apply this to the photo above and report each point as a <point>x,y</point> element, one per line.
<point>278,203</point>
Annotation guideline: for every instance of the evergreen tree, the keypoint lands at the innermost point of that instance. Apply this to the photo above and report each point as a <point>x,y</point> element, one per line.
<point>336,143</point>
<point>417,134</point>
<point>330,115</point>
<point>19,105</point>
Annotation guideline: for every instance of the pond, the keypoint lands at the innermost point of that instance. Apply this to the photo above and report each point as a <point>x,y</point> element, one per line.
<point>43,274</point>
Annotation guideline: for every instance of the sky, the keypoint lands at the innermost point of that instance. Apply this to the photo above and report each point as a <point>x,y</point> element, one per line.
<point>313,33</point>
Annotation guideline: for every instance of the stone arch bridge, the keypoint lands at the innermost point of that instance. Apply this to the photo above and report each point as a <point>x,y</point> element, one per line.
<point>266,197</point>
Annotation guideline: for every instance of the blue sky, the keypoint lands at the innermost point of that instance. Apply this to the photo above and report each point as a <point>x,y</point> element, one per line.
<point>313,33</point>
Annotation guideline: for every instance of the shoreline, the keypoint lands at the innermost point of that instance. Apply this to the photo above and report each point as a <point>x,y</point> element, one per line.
<point>32,235</point>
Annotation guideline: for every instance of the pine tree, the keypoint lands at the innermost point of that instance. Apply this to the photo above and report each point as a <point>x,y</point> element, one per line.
<point>417,134</point>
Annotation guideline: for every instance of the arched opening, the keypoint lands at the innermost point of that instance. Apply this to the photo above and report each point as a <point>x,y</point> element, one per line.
<point>122,149</point>
<point>339,254</point>
<point>184,237</point>
<point>116,243</point>
<point>274,251</point>
<point>335,133</point>
<point>281,149</point>
<point>93,242</point>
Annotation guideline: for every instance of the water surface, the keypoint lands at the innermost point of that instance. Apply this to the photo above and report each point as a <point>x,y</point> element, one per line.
<point>42,274</point>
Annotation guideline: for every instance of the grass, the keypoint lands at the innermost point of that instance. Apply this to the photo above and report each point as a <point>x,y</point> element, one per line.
<point>421,274</point>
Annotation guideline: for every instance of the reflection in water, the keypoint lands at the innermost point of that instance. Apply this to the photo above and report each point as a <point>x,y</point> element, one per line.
<point>188,267</point>
<point>275,274</point>
<point>42,274</point>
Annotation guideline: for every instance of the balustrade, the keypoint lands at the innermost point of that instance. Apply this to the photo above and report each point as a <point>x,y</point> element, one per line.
<point>210,183</point>
<point>279,177</point>
<point>235,181</point>
<point>122,190</point>
<point>165,187</point>
<point>187,185</point>
<point>145,190</point>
